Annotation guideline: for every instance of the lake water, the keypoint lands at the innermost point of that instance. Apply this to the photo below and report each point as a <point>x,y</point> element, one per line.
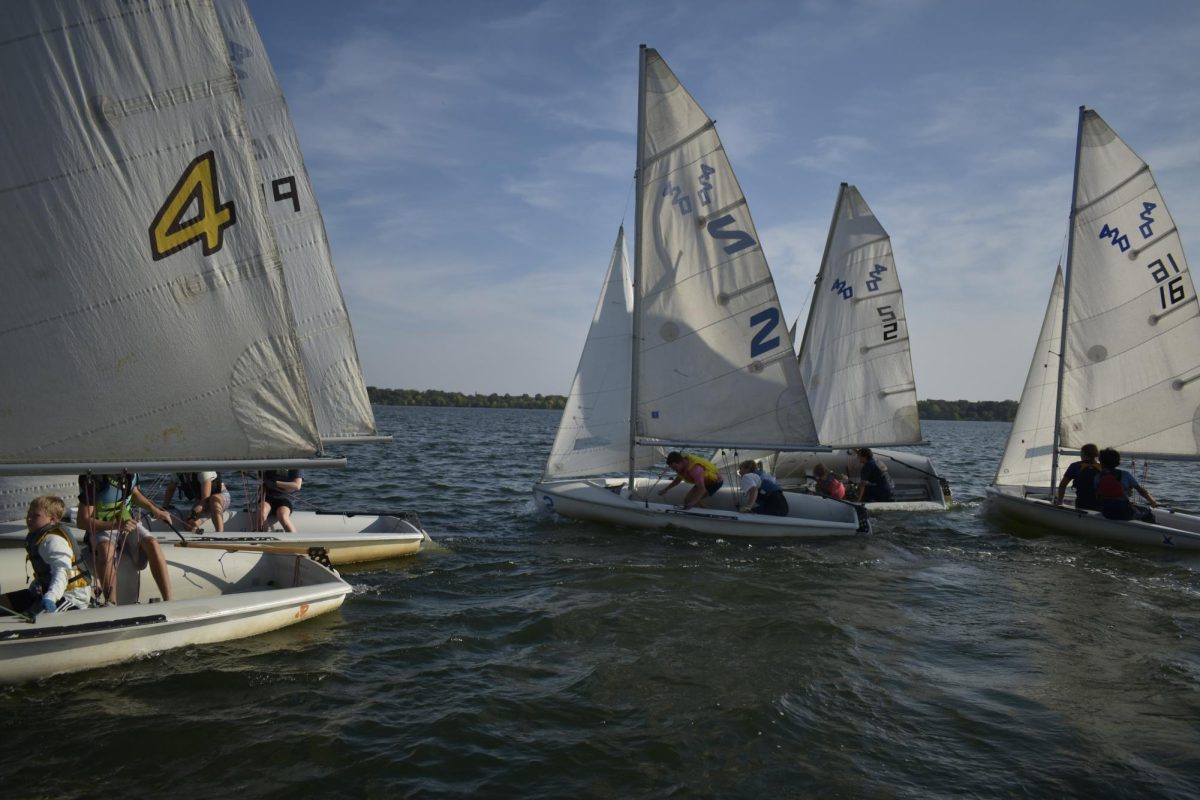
<point>525,655</point>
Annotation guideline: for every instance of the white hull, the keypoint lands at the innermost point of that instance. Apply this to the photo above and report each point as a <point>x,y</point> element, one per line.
<point>220,596</point>
<point>598,500</point>
<point>347,538</point>
<point>1171,530</point>
<point>918,487</point>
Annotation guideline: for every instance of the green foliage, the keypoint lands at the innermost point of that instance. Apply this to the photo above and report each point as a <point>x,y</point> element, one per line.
<point>981,411</point>
<point>438,398</point>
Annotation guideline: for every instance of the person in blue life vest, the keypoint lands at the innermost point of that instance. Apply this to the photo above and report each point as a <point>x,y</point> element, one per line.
<point>106,514</point>
<point>700,472</point>
<point>275,495</point>
<point>761,493</point>
<point>206,493</point>
<point>60,580</point>
<point>1113,488</point>
<point>1083,473</point>
<point>874,483</point>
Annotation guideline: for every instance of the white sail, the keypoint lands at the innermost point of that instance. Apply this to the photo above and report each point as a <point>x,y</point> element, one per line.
<point>593,434</point>
<point>855,360</point>
<point>1029,454</point>
<point>1131,351</point>
<point>327,345</point>
<point>715,364</point>
<point>145,312</point>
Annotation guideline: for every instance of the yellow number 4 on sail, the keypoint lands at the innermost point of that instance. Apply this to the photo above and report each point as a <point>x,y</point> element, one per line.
<point>197,189</point>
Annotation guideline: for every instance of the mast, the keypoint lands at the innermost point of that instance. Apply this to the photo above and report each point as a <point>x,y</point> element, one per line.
<point>637,265</point>
<point>837,207</point>
<point>1062,342</point>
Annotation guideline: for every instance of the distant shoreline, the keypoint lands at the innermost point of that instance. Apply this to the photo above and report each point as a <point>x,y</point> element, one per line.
<point>960,410</point>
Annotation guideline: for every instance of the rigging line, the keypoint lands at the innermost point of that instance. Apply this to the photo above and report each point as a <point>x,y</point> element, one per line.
<point>910,466</point>
<point>632,186</point>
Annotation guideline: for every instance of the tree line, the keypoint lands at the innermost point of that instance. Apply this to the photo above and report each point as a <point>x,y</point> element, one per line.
<point>982,410</point>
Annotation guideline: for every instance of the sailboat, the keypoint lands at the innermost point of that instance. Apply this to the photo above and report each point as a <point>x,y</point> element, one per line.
<point>326,341</point>
<point>856,363</point>
<point>1118,355</point>
<point>147,325</point>
<point>692,352</point>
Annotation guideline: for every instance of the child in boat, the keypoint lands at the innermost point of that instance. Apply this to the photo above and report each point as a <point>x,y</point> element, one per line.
<point>60,582</point>
<point>106,513</point>
<point>762,493</point>
<point>874,483</point>
<point>1113,487</point>
<point>827,483</point>
<point>1083,473</point>
<point>700,472</point>
<point>275,497</point>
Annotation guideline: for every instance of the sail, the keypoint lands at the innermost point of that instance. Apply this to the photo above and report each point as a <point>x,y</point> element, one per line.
<point>145,312</point>
<point>339,394</point>
<point>1132,344</point>
<point>855,360</point>
<point>593,434</point>
<point>715,362</point>
<point>1029,453</point>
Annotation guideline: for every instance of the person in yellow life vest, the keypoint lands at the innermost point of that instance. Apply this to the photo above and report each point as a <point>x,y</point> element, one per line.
<point>106,513</point>
<point>699,472</point>
<point>60,582</point>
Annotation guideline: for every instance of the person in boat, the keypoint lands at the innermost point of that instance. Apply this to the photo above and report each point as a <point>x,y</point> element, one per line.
<point>874,483</point>
<point>207,494</point>
<point>60,581</point>
<point>1113,487</point>
<point>706,480</point>
<point>1083,473</point>
<point>106,514</point>
<point>275,497</point>
<point>761,493</point>
<point>828,484</point>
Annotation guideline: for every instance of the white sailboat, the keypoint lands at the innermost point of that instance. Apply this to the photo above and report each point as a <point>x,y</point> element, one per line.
<point>138,242</point>
<point>1126,321</point>
<point>710,363</point>
<point>856,363</point>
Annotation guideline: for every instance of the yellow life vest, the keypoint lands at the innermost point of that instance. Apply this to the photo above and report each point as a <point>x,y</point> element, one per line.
<point>76,578</point>
<point>711,475</point>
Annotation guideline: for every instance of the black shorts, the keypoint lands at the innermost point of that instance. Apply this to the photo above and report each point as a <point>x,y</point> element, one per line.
<point>773,503</point>
<point>277,503</point>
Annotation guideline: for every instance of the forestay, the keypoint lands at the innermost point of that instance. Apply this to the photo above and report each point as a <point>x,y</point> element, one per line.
<point>855,359</point>
<point>715,363</point>
<point>339,394</point>
<point>138,249</point>
<point>593,433</point>
<point>1029,454</point>
<point>1131,360</point>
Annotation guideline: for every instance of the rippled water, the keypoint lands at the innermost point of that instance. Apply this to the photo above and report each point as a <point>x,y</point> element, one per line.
<point>530,656</point>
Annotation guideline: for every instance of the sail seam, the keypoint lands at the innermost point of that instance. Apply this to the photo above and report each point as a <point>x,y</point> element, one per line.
<point>113,109</point>
<point>672,148</point>
<point>1113,190</point>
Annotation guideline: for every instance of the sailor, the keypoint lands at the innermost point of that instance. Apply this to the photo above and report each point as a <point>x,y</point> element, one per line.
<point>60,582</point>
<point>828,484</point>
<point>699,472</point>
<point>1113,487</point>
<point>106,513</point>
<point>207,494</point>
<point>874,483</point>
<point>1083,472</point>
<point>762,493</point>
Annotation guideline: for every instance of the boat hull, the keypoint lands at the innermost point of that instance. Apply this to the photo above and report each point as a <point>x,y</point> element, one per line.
<point>918,486</point>
<point>346,538</point>
<point>219,596</point>
<point>1171,530</point>
<point>609,501</point>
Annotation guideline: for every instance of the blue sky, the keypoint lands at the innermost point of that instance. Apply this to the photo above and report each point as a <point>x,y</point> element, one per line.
<point>474,159</point>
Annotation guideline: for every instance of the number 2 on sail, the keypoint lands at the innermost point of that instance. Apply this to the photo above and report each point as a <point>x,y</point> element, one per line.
<point>768,318</point>
<point>171,232</point>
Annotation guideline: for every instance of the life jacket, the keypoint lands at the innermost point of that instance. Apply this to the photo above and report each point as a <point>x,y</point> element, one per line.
<point>769,484</point>
<point>711,474</point>
<point>884,487</point>
<point>118,489</point>
<point>1108,485</point>
<point>190,484</point>
<point>76,578</point>
<point>1085,484</point>
<point>832,487</point>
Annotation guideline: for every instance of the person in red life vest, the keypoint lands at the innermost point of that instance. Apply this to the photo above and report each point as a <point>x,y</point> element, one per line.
<point>1083,473</point>
<point>1113,487</point>
<point>827,483</point>
<point>699,472</point>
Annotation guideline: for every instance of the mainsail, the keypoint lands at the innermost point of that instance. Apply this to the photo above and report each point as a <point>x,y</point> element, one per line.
<point>327,345</point>
<point>855,359</point>
<point>1029,454</point>
<point>715,363</point>
<point>593,434</point>
<point>145,313</point>
<point>1131,362</point>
